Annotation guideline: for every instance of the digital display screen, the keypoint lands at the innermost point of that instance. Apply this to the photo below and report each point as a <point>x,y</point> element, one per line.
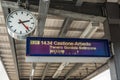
<point>67,47</point>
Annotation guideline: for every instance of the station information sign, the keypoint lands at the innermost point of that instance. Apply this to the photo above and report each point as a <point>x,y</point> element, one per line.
<point>66,48</point>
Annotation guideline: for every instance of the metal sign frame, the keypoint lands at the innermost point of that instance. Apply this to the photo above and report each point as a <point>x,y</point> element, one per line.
<point>39,49</point>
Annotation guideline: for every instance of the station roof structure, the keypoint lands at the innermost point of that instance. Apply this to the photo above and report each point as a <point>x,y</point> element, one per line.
<point>65,19</point>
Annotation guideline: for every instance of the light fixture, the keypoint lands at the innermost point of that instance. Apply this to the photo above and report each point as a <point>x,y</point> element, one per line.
<point>90,30</point>
<point>32,72</point>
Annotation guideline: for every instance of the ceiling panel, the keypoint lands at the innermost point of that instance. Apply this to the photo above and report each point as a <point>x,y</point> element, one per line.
<point>51,33</point>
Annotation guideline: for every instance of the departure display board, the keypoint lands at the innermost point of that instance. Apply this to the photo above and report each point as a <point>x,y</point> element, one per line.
<point>67,47</point>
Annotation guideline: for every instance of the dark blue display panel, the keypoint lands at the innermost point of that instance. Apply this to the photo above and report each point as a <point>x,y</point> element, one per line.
<point>72,47</point>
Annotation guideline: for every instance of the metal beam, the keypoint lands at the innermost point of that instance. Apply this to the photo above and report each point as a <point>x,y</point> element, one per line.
<point>74,68</point>
<point>75,15</point>
<point>70,29</point>
<point>13,49</point>
<point>66,24</point>
<point>114,21</point>
<point>12,43</point>
<point>106,30</point>
<point>96,72</point>
<point>59,70</point>
<point>9,4</point>
<point>58,12</point>
<point>45,71</point>
<point>112,24</point>
<point>87,33</point>
<point>113,1</point>
<point>42,14</point>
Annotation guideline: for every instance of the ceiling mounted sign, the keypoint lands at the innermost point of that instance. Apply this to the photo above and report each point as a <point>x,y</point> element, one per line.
<point>66,49</point>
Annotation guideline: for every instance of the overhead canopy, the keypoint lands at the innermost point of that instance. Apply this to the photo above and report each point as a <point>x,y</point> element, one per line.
<point>66,19</point>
